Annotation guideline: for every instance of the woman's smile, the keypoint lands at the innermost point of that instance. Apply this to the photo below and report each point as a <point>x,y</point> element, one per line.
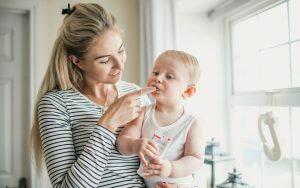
<point>116,74</point>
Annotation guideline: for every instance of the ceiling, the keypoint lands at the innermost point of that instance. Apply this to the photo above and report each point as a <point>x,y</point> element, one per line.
<point>201,6</point>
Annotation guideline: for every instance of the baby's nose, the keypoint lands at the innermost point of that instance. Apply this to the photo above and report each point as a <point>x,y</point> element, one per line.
<point>158,79</point>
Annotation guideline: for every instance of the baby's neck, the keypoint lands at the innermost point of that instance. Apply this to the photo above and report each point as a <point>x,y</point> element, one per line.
<point>166,115</point>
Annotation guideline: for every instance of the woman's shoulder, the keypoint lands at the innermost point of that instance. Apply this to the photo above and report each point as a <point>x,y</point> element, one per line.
<point>57,95</point>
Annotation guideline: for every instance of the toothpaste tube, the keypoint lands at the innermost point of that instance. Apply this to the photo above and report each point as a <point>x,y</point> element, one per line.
<point>162,142</point>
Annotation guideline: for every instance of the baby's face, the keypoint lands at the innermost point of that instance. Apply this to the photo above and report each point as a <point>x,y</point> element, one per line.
<point>170,78</point>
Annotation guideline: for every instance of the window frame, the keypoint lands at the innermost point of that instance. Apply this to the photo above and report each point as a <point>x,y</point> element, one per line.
<point>284,97</point>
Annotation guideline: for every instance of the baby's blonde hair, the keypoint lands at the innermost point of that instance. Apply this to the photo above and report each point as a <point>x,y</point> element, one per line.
<point>190,62</point>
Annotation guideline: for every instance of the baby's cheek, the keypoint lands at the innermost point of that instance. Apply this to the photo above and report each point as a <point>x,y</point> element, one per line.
<point>172,92</point>
<point>149,81</point>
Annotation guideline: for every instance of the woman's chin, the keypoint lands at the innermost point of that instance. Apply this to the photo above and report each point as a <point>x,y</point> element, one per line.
<point>114,79</point>
<point>111,81</point>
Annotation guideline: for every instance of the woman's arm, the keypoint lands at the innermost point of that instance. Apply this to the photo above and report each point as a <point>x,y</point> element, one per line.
<point>123,110</point>
<point>190,163</point>
<point>65,169</point>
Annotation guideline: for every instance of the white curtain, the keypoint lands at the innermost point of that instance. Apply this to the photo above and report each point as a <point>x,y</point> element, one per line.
<point>157,32</point>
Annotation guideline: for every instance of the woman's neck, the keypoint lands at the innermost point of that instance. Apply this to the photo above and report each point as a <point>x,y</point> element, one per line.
<point>102,94</point>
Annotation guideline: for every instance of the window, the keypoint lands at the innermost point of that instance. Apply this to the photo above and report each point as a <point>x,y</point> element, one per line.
<point>265,59</point>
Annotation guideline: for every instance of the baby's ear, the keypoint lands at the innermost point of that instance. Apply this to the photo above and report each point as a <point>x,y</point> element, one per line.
<point>189,92</point>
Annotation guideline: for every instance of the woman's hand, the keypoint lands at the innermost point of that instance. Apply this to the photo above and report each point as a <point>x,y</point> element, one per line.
<point>123,110</point>
<point>158,167</point>
<point>144,147</point>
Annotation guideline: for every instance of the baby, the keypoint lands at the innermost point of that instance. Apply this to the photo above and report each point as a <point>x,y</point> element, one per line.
<point>166,136</point>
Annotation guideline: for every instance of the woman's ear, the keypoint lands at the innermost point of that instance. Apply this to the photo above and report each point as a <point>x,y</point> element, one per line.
<point>75,61</point>
<point>190,91</point>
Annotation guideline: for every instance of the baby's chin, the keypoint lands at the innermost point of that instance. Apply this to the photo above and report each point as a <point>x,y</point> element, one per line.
<point>155,94</point>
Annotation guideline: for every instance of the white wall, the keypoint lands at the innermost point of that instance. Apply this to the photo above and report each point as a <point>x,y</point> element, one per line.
<point>204,39</point>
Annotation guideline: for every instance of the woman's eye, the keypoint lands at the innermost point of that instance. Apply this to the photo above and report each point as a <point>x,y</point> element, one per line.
<point>104,62</point>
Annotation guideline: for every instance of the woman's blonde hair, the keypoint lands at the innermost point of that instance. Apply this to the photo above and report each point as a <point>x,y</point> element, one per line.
<point>79,29</point>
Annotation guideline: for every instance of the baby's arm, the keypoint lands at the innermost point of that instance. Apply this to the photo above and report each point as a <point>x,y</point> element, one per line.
<point>129,141</point>
<point>190,163</point>
<point>193,154</point>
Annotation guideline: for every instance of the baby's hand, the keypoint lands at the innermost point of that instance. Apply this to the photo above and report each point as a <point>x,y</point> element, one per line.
<point>170,185</point>
<point>158,167</point>
<point>165,185</point>
<point>144,147</point>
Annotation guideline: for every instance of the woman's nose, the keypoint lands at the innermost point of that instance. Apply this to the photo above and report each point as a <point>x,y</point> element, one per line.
<point>118,62</point>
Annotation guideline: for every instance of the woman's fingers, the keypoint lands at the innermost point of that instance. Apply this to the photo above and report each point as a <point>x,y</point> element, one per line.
<point>133,104</point>
<point>123,110</point>
<point>143,91</point>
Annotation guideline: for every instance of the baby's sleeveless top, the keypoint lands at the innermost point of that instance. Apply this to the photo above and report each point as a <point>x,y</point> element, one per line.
<point>177,131</point>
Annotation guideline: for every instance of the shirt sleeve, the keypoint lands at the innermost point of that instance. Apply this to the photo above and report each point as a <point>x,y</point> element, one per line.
<point>64,167</point>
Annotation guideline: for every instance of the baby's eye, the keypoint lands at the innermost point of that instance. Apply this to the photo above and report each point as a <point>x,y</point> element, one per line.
<point>155,73</point>
<point>169,76</point>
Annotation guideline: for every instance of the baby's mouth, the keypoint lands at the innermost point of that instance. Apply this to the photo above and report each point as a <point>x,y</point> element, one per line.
<point>157,89</point>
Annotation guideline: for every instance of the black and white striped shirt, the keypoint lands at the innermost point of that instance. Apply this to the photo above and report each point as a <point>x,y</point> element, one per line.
<point>79,153</point>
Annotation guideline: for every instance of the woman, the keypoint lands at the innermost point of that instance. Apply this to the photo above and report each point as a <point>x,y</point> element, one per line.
<point>82,104</point>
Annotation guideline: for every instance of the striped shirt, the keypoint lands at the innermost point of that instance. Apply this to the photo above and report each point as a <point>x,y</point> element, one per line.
<point>77,151</point>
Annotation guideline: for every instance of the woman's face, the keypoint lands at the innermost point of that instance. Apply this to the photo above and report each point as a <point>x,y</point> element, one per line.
<point>104,61</point>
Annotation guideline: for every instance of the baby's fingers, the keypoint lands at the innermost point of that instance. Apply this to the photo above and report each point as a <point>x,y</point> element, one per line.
<point>151,173</point>
<point>154,167</point>
<point>152,146</point>
<point>143,159</point>
<point>150,154</point>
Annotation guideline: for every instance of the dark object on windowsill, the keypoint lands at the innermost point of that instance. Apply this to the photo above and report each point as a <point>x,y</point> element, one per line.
<point>213,148</point>
<point>214,155</point>
<point>234,181</point>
